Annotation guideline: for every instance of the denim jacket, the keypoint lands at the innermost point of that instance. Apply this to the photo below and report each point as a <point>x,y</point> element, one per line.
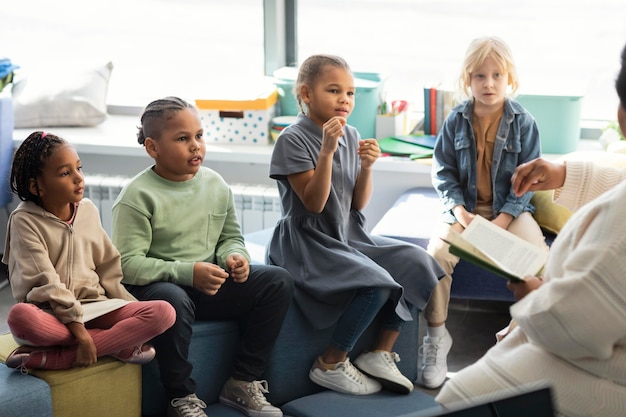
<point>454,162</point>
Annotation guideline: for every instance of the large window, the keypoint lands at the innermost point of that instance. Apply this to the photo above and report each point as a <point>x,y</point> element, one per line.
<point>569,48</point>
<point>185,47</point>
<point>158,47</point>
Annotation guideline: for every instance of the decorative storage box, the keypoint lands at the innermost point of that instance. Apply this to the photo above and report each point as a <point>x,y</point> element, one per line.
<point>239,122</point>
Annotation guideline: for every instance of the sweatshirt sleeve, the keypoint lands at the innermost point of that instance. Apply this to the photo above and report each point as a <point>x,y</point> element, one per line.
<point>584,181</point>
<point>32,273</point>
<point>580,311</point>
<point>230,240</point>
<point>132,236</point>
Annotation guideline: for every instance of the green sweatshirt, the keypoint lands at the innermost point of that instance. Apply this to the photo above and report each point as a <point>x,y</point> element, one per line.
<point>162,227</point>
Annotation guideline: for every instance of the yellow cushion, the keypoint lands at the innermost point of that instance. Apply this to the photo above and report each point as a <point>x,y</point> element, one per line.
<point>7,345</point>
<point>551,216</point>
<point>107,388</point>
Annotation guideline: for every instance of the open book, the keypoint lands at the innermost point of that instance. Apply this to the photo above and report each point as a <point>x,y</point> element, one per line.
<point>497,250</point>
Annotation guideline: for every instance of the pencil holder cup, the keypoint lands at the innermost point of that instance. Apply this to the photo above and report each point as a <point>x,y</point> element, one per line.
<point>390,125</point>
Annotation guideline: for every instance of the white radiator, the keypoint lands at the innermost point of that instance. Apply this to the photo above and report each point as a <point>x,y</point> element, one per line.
<point>258,206</point>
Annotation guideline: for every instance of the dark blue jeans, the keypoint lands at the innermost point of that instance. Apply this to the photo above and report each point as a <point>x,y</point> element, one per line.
<point>365,306</point>
<point>259,304</point>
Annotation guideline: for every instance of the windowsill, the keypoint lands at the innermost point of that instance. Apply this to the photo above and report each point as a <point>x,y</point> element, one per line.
<point>117,137</point>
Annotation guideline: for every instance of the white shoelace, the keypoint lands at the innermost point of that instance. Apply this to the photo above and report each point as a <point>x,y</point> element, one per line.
<point>430,353</point>
<point>351,371</point>
<point>257,389</point>
<point>190,406</point>
<point>391,360</point>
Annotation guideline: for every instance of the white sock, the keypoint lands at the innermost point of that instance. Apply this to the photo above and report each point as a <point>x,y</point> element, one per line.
<point>438,331</point>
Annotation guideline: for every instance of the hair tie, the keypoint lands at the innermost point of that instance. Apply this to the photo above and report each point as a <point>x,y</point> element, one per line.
<point>43,135</point>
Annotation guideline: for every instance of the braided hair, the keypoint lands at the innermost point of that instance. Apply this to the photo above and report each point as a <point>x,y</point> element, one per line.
<point>29,161</point>
<point>156,113</point>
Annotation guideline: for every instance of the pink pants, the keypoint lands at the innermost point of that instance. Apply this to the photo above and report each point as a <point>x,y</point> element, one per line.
<point>120,330</point>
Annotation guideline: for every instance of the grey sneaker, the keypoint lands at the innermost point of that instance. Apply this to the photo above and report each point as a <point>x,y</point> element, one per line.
<point>382,367</point>
<point>189,406</point>
<point>249,398</point>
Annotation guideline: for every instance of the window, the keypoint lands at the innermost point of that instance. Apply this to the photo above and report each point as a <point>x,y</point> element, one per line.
<point>158,47</point>
<point>569,48</point>
<point>184,47</point>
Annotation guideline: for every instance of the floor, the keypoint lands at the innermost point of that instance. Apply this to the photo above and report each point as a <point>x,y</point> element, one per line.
<point>471,323</point>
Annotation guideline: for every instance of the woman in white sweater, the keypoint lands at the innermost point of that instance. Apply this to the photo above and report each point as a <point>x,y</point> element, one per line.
<point>571,323</point>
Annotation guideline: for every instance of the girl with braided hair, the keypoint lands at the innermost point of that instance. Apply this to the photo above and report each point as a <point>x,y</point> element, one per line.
<point>64,271</point>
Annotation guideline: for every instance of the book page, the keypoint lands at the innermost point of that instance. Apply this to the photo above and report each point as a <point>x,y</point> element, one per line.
<point>509,252</point>
<point>95,309</point>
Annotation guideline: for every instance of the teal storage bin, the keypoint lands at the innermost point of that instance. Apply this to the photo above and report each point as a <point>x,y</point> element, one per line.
<point>369,87</point>
<point>558,120</point>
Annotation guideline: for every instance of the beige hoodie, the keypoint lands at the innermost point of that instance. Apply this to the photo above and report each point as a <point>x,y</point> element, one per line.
<point>59,266</point>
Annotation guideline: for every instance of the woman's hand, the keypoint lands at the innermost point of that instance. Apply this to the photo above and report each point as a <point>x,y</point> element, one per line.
<point>522,288</point>
<point>536,175</point>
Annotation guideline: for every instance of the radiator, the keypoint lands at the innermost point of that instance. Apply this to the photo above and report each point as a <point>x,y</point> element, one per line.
<point>257,206</point>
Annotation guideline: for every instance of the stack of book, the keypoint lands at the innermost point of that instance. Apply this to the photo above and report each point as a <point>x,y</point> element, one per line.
<point>437,104</point>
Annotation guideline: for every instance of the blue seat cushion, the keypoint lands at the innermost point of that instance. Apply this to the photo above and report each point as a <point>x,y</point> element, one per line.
<point>384,403</point>
<point>23,395</point>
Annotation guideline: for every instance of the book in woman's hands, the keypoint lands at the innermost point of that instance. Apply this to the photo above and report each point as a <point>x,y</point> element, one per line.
<point>497,250</point>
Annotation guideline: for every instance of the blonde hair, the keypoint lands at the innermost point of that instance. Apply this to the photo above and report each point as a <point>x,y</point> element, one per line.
<point>311,69</point>
<point>477,52</point>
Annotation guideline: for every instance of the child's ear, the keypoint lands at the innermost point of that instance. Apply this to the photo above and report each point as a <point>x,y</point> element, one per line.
<point>32,186</point>
<point>305,93</point>
<point>152,147</point>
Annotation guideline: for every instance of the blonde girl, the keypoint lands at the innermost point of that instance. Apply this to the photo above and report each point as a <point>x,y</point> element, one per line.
<point>479,146</point>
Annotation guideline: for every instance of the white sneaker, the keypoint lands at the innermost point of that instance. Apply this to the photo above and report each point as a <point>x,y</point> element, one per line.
<point>382,367</point>
<point>434,353</point>
<point>345,378</point>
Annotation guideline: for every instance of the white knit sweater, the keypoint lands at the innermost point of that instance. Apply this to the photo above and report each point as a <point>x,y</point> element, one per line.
<point>571,332</point>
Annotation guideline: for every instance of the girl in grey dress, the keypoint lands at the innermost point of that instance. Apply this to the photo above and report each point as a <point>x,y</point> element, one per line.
<point>343,275</point>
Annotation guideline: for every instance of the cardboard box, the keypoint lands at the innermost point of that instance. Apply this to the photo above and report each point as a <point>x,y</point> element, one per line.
<point>238,121</point>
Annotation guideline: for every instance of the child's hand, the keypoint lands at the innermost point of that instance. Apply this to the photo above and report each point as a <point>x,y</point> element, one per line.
<point>331,132</point>
<point>522,289</point>
<point>238,266</point>
<point>368,152</point>
<point>86,353</point>
<point>503,220</point>
<point>208,278</point>
<point>463,216</point>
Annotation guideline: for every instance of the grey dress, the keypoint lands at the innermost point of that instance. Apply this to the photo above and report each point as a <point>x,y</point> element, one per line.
<point>330,255</point>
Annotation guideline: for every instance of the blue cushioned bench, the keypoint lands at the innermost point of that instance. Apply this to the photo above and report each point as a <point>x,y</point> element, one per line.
<point>298,344</point>
<point>23,395</point>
